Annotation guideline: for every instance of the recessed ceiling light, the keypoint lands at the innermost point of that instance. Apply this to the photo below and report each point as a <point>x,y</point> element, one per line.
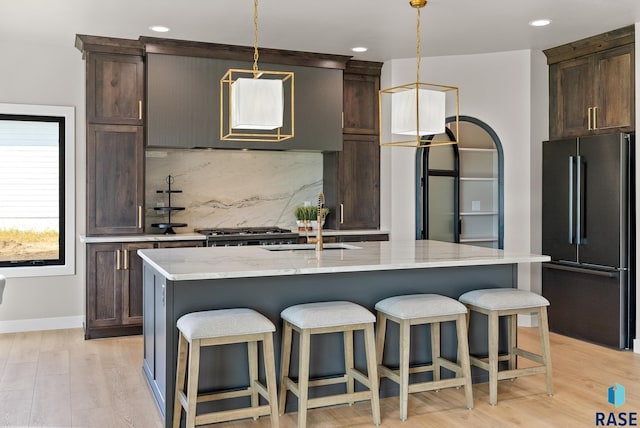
<point>159,28</point>
<point>359,49</point>
<point>540,22</point>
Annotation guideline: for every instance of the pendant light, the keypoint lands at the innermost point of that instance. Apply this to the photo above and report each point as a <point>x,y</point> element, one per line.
<point>418,110</point>
<point>256,105</point>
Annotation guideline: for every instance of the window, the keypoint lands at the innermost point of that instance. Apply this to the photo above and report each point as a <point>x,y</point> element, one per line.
<point>36,190</point>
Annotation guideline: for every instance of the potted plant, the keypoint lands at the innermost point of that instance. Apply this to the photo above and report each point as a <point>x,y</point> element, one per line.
<point>307,216</point>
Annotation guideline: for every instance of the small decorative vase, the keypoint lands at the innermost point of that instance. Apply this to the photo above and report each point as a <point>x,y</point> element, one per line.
<point>304,226</point>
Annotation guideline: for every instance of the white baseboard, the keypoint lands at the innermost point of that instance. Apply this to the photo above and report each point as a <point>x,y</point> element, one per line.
<point>636,346</point>
<point>35,324</point>
<point>527,321</point>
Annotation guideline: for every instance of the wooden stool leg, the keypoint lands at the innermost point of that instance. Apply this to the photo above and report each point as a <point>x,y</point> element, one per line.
<point>181,371</point>
<point>372,372</point>
<point>252,350</point>
<point>543,327</point>
<point>348,361</point>
<point>285,360</point>
<point>404,367</point>
<point>435,349</point>
<point>512,332</point>
<point>463,358</point>
<point>192,383</point>
<point>493,357</point>
<point>270,373</point>
<point>303,377</point>
<point>381,330</point>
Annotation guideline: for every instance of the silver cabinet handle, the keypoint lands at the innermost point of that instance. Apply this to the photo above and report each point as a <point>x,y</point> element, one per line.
<point>595,118</point>
<point>139,216</point>
<point>341,213</point>
<point>126,259</point>
<point>589,124</point>
<point>139,109</point>
<point>117,259</point>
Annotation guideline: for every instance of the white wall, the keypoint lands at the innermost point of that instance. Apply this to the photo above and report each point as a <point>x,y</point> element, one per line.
<point>497,89</point>
<point>52,75</point>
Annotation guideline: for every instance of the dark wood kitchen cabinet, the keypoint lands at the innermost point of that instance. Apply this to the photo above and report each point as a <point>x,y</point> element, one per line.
<point>592,85</point>
<point>115,88</point>
<point>360,103</point>
<point>114,289</point>
<point>114,297</point>
<point>352,176</point>
<point>115,179</point>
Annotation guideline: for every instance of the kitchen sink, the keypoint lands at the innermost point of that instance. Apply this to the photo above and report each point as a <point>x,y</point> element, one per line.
<point>308,247</point>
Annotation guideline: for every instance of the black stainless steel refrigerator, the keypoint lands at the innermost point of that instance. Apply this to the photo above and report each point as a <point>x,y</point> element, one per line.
<point>588,230</point>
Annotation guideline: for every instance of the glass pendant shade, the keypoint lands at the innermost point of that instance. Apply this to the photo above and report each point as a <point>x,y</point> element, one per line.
<point>418,112</point>
<point>257,104</point>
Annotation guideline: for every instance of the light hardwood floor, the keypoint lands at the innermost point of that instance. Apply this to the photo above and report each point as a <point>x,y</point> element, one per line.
<point>57,379</point>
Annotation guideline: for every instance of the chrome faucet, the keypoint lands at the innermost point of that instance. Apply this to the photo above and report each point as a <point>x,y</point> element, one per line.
<point>318,239</point>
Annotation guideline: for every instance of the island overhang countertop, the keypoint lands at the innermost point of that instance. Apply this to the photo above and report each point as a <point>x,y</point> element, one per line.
<point>183,264</point>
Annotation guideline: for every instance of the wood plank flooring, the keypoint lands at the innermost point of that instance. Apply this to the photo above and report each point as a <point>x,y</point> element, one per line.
<point>57,379</point>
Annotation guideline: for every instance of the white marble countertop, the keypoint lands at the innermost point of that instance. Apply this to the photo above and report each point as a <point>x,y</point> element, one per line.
<point>179,264</point>
<point>333,232</point>
<point>158,237</point>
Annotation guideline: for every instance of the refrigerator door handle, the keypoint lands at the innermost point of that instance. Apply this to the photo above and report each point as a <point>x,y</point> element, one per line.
<point>571,229</point>
<point>608,273</point>
<point>579,199</point>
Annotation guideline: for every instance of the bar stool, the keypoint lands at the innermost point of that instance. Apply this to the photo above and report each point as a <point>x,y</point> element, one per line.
<point>417,309</point>
<point>328,317</point>
<point>221,327</point>
<point>510,302</point>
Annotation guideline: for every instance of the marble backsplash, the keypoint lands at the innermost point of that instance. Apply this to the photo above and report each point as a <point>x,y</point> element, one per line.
<point>231,188</point>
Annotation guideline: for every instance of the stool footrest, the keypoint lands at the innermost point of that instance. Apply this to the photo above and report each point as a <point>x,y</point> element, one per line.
<point>230,415</point>
<point>437,384</point>
<point>223,395</point>
<point>528,355</point>
<point>510,374</point>
<point>331,400</point>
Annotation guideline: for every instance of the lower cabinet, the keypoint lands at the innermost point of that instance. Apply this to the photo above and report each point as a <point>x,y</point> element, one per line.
<point>114,287</point>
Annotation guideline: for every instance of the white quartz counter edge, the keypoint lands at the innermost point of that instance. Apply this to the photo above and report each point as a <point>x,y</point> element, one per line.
<point>183,264</point>
<point>142,238</point>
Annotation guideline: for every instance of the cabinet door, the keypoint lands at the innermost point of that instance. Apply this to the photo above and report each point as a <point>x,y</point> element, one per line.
<point>360,104</point>
<point>115,87</point>
<point>132,282</point>
<point>615,90</point>
<point>104,285</point>
<point>571,97</point>
<point>115,179</point>
<point>359,184</point>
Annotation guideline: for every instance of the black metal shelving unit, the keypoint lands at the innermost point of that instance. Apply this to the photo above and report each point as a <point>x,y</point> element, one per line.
<point>169,225</point>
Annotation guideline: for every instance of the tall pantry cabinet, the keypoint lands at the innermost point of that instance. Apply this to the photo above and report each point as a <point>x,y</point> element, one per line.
<point>115,183</point>
<point>352,176</point>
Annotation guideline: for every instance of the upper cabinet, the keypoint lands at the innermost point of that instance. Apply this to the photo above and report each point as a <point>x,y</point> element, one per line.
<point>184,104</point>
<point>115,88</point>
<point>591,85</point>
<point>360,102</point>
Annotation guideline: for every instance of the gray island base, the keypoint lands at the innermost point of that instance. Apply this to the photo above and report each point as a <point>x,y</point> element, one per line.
<point>182,280</point>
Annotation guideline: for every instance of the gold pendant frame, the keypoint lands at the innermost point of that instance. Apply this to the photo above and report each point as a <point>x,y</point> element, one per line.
<point>227,133</point>
<point>384,96</point>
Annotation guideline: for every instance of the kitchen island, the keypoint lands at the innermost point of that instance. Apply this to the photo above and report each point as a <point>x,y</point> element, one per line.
<point>268,279</point>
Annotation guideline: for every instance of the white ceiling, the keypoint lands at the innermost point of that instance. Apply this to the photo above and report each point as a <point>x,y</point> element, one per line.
<point>386,27</point>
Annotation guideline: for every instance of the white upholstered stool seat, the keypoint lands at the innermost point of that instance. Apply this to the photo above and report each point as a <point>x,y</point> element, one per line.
<point>418,309</point>
<point>221,327</point>
<point>320,318</point>
<point>509,302</point>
